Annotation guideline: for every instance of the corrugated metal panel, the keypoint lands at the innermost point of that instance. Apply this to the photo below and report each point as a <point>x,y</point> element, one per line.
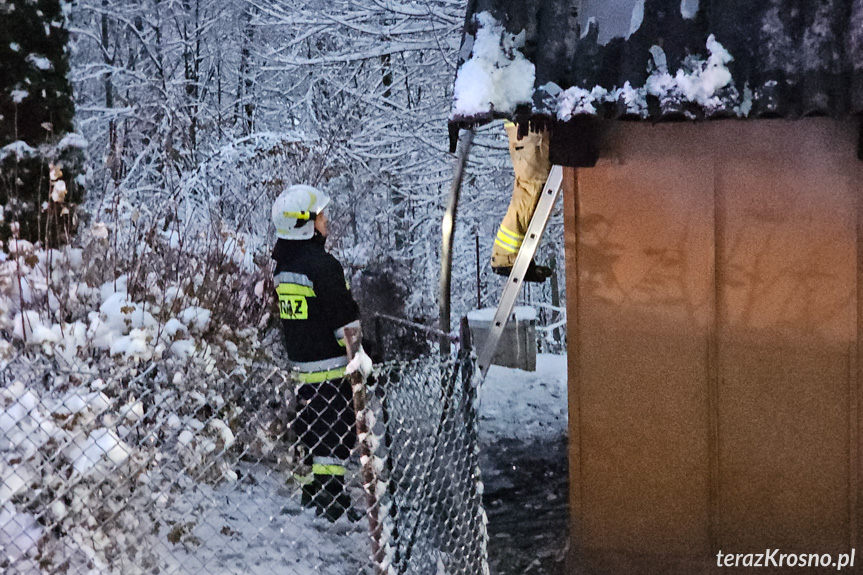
<point>714,337</point>
<point>791,58</point>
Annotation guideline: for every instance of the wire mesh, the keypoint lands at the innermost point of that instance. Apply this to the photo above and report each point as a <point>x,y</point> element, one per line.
<point>155,473</point>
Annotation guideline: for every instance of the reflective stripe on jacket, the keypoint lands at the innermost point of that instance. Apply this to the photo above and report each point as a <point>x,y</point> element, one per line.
<point>315,304</point>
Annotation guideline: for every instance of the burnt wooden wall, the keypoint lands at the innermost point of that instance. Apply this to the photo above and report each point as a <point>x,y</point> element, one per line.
<point>714,329</point>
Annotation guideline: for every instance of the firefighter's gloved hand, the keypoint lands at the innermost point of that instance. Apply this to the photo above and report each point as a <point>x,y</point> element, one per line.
<point>360,363</point>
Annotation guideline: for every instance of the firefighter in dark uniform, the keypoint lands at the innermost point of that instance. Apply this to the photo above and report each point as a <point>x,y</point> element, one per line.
<point>315,306</point>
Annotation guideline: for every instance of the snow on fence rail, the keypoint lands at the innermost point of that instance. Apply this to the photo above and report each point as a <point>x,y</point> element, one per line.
<point>157,475</point>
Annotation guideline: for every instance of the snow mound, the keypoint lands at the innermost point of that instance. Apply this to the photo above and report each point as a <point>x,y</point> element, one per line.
<point>699,81</point>
<point>497,77</point>
<point>101,446</point>
<point>196,318</point>
<point>19,149</point>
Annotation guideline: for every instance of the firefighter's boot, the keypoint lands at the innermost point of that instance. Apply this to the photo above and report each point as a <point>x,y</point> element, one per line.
<point>327,489</point>
<point>307,489</point>
<point>534,272</point>
<point>332,499</point>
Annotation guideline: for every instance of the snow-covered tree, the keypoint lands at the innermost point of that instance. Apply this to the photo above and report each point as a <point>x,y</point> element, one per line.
<point>205,109</point>
<point>36,111</point>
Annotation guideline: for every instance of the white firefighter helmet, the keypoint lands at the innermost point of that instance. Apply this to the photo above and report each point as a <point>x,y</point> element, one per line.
<point>295,210</point>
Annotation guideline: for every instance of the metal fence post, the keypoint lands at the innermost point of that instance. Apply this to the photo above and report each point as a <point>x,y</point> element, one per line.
<point>353,338</point>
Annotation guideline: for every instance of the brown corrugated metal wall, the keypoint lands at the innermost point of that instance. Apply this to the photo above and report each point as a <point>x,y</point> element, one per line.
<point>713,307</point>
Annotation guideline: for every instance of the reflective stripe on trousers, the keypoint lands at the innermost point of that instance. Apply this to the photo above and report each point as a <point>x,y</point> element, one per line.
<point>328,466</point>
<point>508,240</point>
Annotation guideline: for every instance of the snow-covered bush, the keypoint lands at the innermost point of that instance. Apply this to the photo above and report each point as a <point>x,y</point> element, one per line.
<point>130,363</point>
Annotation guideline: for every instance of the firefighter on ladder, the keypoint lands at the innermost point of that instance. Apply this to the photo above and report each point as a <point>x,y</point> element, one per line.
<point>315,306</point>
<point>530,162</point>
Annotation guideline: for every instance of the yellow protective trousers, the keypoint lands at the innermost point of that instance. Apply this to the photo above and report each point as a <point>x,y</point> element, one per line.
<point>531,165</point>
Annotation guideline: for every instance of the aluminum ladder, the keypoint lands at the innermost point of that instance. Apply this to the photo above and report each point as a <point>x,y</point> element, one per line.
<point>516,277</point>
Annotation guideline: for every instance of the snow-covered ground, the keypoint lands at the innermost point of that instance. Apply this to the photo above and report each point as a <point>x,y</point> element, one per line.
<point>516,404</point>
<point>523,433</point>
<point>256,527</point>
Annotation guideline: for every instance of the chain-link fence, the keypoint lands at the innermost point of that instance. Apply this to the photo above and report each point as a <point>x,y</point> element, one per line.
<point>155,474</point>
